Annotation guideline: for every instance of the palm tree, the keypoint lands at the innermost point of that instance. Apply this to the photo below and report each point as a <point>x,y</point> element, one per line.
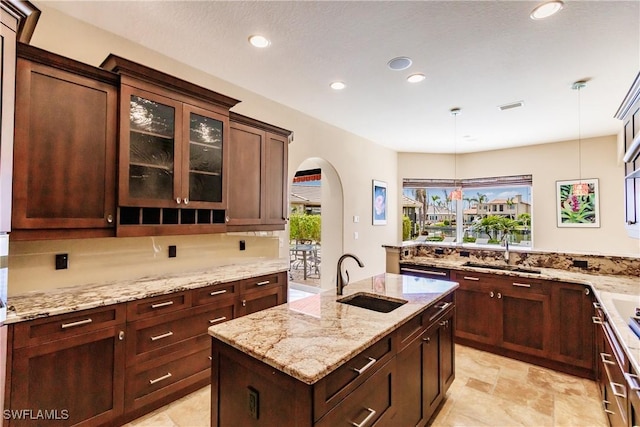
<point>510,204</point>
<point>436,201</point>
<point>481,198</point>
<point>421,197</point>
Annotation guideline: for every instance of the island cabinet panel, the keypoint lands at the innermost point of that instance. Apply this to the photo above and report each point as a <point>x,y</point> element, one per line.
<point>257,175</point>
<point>65,148</point>
<point>573,335</point>
<point>77,374</point>
<point>263,292</point>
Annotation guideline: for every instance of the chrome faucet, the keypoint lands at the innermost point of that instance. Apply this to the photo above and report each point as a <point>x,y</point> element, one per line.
<point>507,257</point>
<point>341,282</point>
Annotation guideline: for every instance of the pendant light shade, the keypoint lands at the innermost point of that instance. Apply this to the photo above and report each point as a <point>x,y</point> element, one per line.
<point>456,194</point>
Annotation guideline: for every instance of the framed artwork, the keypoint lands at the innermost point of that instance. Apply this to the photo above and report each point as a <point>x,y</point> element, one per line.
<point>577,211</point>
<point>379,204</point>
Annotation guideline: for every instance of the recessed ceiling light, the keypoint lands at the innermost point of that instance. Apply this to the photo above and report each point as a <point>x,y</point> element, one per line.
<point>259,41</point>
<point>399,63</point>
<point>546,9</point>
<point>338,85</point>
<point>415,78</point>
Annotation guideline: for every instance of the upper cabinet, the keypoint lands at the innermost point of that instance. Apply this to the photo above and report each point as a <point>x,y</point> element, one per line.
<point>173,155</point>
<point>629,113</point>
<point>65,148</point>
<point>257,175</point>
<point>18,20</point>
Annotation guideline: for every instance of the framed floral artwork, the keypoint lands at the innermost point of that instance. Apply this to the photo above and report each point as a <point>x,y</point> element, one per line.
<point>578,210</point>
<point>379,202</point>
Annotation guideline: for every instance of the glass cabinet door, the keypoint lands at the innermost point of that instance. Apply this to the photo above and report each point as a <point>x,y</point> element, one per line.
<point>153,150</point>
<point>204,158</point>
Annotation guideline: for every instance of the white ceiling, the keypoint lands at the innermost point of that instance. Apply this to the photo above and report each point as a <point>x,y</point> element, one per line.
<point>476,56</point>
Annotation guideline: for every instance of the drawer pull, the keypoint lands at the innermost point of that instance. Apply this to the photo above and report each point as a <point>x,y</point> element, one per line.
<point>214,293</point>
<point>475,279</point>
<point>521,285</point>
<point>78,323</point>
<point>162,304</point>
<point>597,305</point>
<point>604,406</point>
<point>365,367</point>
<point>216,320</point>
<point>632,379</point>
<point>427,340</point>
<point>597,320</point>
<point>415,270</point>
<point>443,305</point>
<point>372,413</point>
<point>264,282</point>
<point>605,360</point>
<point>162,378</point>
<point>587,291</point>
<point>159,337</point>
<point>615,387</point>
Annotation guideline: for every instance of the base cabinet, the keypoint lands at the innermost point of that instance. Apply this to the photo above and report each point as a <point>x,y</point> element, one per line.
<point>109,365</point>
<point>398,381</point>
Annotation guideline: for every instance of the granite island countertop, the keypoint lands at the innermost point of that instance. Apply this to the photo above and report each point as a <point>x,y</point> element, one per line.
<point>311,337</point>
<point>609,290</point>
<point>37,304</point>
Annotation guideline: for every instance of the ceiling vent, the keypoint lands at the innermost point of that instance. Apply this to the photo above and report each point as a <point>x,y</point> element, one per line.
<point>511,105</point>
<point>400,63</point>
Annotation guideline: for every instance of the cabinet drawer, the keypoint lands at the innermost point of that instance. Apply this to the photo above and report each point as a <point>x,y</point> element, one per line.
<point>614,375</point>
<point>438,309</point>
<point>215,293</point>
<point>425,271</point>
<point>369,404</point>
<point>407,332</point>
<point>157,336</point>
<point>340,383</point>
<point>262,282</point>
<point>150,384</point>
<point>518,284</point>
<point>48,329</point>
<point>155,306</point>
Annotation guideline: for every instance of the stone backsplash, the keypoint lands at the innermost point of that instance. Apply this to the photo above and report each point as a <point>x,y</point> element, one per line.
<point>592,264</point>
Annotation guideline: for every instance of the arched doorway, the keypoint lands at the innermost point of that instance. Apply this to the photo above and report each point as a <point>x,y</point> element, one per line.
<point>331,214</point>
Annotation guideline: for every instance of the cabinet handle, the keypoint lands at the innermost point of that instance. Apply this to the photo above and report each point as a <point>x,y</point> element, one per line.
<point>178,200</point>
<point>415,270</point>
<point>226,218</point>
<point>427,340</point>
<point>110,218</point>
<point>597,320</point>
<point>372,413</point>
<point>604,406</point>
<point>186,200</point>
<point>632,379</point>
<point>597,305</point>
<point>244,302</point>
<point>499,295</point>
<point>214,293</point>
<point>164,377</point>
<point>615,386</point>
<point>475,279</point>
<point>604,357</point>
<point>491,294</point>
<point>444,323</point>
<point>78,323</point>
<point>443,305</point>
<point>521,285</point>
<point>159,337</point>
<point>587,291</point>
<point>264,282</point>
<point>121,335</point>
<point>218,319</point>
<point>162,304</point>
<point>365,367</point>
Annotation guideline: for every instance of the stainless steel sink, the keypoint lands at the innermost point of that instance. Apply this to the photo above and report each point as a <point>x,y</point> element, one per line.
<point>502,267</point>
<point>373,302</point>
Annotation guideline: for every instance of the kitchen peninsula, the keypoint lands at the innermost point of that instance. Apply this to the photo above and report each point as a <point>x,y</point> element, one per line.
<point>316,361</point>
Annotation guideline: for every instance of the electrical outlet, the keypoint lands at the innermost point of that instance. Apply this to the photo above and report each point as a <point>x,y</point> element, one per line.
<point>439,251</point>
<point>254,403</point>
<point>173,251</point>
<point>465,254</point>
<point>243,245</point>
<point>580,263</point>
<point>62,261</point>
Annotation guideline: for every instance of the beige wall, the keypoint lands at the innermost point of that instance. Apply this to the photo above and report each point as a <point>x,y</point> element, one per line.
<point>548,163</point>
<point>355,160</point>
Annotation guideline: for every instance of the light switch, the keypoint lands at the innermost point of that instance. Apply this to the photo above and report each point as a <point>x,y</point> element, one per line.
<point>355,235</point>
<point>356,218</point>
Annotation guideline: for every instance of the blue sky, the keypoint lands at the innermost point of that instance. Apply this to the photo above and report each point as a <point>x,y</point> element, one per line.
<point>491,192</point>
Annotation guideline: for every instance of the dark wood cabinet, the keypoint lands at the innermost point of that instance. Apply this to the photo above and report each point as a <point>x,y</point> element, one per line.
<point>71,365</point>
<point>65,148</point>
<point>112,364</point>
<point>478,317</point>
<point>257,175</point>
<point>173,171</point>
<point>425,271</point>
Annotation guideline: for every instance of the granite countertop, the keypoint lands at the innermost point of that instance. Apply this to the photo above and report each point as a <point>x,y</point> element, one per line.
<point>311,337</point>
<point>35,304</point>
<point>614,293</point>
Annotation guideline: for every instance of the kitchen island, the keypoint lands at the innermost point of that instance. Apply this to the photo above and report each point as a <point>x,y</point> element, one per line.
<point>319,361</point>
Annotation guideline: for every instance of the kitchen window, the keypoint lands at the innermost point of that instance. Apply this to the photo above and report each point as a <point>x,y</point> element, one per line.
<point>492,210</point>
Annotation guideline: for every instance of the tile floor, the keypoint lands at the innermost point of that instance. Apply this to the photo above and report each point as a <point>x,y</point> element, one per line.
<point>489,390</point>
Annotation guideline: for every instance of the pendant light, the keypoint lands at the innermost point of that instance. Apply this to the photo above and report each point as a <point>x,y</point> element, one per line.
<point>456,194</point>
<point>581,188</point>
